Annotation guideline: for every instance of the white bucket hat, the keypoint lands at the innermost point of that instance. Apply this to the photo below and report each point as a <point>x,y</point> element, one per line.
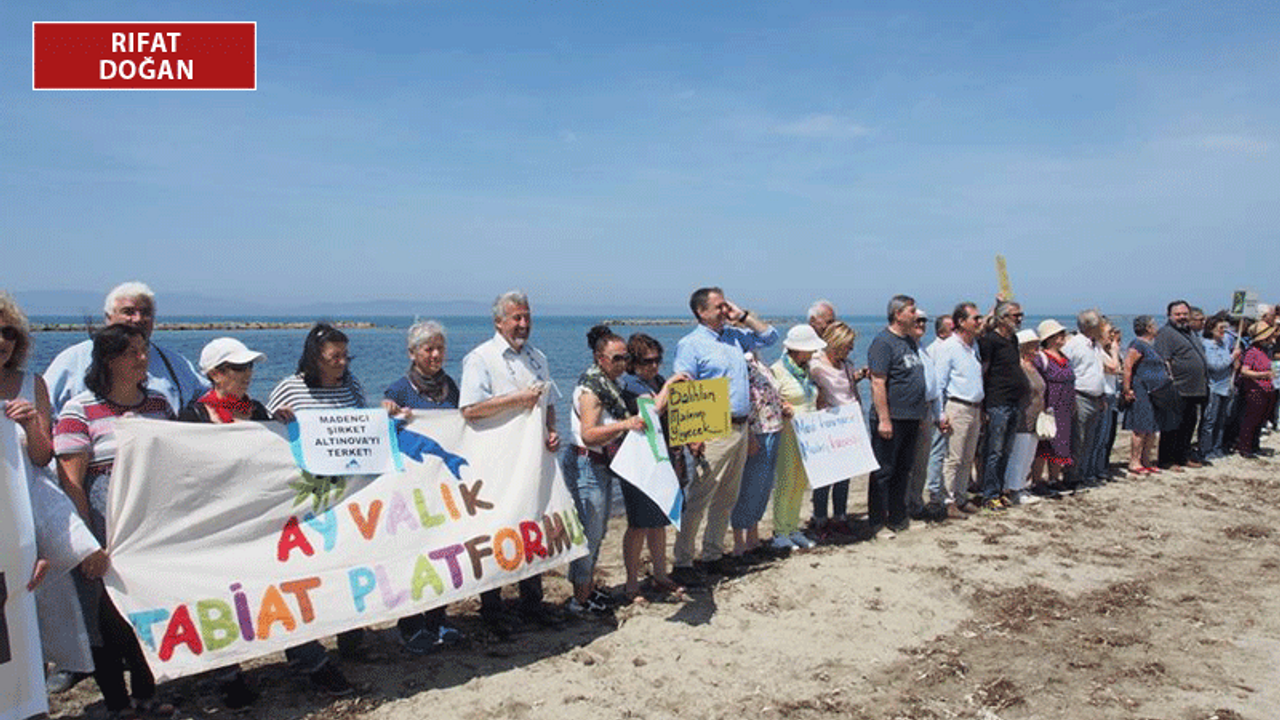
<point>803,338</point>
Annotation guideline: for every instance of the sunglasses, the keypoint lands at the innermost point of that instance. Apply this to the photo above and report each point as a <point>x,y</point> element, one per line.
<point>650,361</point>
<point>618,358</point>
<point>922,322</point>
<point>9,332</point>
<point>237,367</point>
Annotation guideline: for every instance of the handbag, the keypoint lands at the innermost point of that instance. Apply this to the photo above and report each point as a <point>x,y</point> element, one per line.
<point>1046,425</point>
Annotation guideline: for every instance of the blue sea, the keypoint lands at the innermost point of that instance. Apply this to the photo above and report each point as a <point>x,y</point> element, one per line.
<point>380,356</point>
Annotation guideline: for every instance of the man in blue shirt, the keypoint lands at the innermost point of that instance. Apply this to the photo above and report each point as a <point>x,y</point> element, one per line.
<point>713,350</point>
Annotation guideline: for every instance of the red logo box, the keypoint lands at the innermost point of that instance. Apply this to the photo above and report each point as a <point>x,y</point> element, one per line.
<point>144,56</point>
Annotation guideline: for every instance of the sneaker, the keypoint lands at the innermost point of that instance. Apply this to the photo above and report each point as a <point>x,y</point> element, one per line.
<point>955,513</point>
<point>993,504</point>
<point>1025,498</point>
<point>801,540</point>
<point>450,637</point>
<point>782,543</point>
<point>329,679</point>
<point>582,609</point>
<point>969,507</point>
<point>600,597</point>
<point>422,642</point>
<point>63,680</point>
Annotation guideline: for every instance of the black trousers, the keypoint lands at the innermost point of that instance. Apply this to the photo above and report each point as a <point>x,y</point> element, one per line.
<point>887,487</point>
<point>119,648</point>
<point>1175,445</point>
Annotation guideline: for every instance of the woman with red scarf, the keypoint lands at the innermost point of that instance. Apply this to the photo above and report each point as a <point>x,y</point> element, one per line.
<point>229,366</point>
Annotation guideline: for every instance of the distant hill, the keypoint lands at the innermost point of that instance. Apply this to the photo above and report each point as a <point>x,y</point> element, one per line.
<point>79,302</point>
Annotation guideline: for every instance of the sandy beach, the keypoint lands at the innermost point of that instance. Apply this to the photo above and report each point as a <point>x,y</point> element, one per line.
<point>1154,597</point>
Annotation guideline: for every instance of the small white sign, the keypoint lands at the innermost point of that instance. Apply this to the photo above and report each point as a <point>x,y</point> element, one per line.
<point>350,441</point>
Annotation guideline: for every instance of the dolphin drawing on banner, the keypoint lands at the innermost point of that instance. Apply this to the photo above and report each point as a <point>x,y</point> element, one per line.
<point>418,446</point>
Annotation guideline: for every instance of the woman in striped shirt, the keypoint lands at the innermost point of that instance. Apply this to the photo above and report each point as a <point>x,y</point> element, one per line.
<point>85,444</point>
<point>323,381</point>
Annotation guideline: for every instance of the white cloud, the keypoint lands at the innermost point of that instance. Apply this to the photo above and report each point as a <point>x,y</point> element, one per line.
<point>822,125</point>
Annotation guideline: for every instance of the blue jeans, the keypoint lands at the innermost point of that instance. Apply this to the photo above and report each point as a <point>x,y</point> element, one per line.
<point>1099,461</point>
<point>1212,424</point>
<point>757,482</point>
<point>1084,435</point>
<point>937,456</point>
<point>591,485</point>
<point>1002,425</point>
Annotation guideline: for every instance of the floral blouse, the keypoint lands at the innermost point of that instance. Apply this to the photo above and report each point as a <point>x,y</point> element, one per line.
<point>766,402</point>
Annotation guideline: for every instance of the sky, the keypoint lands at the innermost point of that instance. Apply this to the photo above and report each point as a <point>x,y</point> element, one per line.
<point>1118,154</point>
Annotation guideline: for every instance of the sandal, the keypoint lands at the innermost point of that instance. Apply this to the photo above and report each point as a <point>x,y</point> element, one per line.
<point>666,585</point>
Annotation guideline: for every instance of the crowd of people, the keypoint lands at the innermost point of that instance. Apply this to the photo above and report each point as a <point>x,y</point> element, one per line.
<point>987,416</point>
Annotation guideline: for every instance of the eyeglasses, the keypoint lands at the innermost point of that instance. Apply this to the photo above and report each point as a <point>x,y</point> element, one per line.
<point>237,367</point>
<point>9,333</point>
<point>656,360</point>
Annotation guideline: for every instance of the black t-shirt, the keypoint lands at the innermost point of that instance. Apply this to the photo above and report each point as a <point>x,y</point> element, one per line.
<point>898,359</point>
<point>1003,381</point>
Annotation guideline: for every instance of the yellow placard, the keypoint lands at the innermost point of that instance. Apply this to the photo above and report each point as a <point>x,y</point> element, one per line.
<point>1002,276</point>
<point>698,410</point>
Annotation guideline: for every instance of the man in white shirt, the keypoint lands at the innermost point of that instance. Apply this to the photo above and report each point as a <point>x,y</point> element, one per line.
<point>168,372</point>
<point>1090,362</point>
<point>959,374</point>
<point>505,374</point>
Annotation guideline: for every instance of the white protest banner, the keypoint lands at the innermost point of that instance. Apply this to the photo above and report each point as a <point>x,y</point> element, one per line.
<point>22,692</point>
<point>223,550</point>
<point>834,444</point>
<point>642,460</point>
<point>351,441</point>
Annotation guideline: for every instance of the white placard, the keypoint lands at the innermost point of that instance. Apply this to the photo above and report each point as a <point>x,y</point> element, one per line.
<point>834,444</point>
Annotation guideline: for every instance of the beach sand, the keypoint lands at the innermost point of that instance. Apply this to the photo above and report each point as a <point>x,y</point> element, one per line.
<point>1155,597</point>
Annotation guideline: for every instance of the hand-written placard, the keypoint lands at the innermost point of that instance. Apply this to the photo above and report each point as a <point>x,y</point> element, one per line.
<point>834,444</point>
<point>349,441</point>
<point>698,410</point>
<point>643,461</point>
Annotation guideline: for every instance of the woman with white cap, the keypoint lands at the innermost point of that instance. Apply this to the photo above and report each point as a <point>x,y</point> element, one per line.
<point>229,366</point>
<point>1023,452</point>
<point>1059,394</point>
<point>798,391</point>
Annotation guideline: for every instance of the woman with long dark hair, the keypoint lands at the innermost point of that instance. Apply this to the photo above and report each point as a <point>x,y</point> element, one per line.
<point>85,444</point>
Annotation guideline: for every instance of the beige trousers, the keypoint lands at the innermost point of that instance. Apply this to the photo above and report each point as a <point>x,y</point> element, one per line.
<point>966,424</point>
<point>712,494</point>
